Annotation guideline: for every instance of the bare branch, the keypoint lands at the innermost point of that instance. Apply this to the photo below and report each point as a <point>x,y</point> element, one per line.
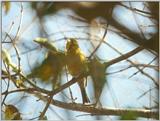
<point>102,111</point>
<point>98,111</point>
<point>123,57</point>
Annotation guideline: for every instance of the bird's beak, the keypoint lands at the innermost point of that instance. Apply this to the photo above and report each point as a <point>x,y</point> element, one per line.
<point>68,40</point>
<point>68,43</point>
<point>37,40</point>
<point>40,40</point>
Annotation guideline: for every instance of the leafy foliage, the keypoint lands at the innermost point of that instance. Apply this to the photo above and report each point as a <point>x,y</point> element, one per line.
<point>12,113</point>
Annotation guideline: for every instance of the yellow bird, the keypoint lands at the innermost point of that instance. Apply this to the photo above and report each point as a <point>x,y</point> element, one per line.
<point>76,64</point>
<point>52,65</point>
<point>97,72</point>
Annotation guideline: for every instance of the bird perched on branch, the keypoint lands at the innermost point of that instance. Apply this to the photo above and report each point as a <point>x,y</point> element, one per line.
<point>52,65</point>
<point>97,73</point>
<point>76,64</point>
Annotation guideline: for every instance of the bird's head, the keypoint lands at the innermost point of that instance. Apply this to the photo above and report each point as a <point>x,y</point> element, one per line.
<point>72,44</point>
<point>45,43</point>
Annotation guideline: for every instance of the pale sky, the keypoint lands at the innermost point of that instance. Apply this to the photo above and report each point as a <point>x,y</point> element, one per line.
<point>122,92</point>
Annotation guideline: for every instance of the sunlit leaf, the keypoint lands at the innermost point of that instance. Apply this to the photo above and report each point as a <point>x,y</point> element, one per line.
<point>12,113</point>
<point>7,59</point>
<point>7,6</point>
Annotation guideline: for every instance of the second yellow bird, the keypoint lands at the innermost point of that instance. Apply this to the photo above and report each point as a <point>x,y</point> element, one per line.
<point>76,64</point>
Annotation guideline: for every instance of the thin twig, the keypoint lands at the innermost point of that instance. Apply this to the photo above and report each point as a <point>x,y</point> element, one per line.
<point>19,90</point>
<point>129,54</point>
<point>17,53</point>
<point>69,87</point>
<point>135,18</point>
<point>3,41</point>
<point>123,57</point>
<point>141,68</point>
<point>20,23</point>
<point>138,65</point>
<point>101,111</point>
<point>141,12</point>
<point>97,111</point>
<point>46,107</point>
<point>101,41</point>
<point>7,84</point>
<point>145,92</point>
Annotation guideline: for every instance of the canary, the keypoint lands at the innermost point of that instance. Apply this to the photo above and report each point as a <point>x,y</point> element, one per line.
<point>12,113</point>
<point>52,65</point>
<point>97,73</point>
<point>76,64</point>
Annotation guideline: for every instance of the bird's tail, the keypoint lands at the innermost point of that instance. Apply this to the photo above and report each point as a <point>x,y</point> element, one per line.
<point>83,92</point>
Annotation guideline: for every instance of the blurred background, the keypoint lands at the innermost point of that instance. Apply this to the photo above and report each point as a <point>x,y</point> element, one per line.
<point>123,26</point>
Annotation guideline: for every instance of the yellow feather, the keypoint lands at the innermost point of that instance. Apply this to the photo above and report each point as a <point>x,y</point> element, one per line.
<point>76,64</point>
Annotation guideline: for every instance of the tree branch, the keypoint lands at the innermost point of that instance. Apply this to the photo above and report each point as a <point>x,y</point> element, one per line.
<point>105,111</point>
<point>101,111</point>
<point>93,110</point>
<point>123,57</point>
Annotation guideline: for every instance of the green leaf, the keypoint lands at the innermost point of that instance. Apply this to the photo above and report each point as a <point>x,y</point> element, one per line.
<point>128,116</point>
<point>7,6</point>
<point>7,59</point>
